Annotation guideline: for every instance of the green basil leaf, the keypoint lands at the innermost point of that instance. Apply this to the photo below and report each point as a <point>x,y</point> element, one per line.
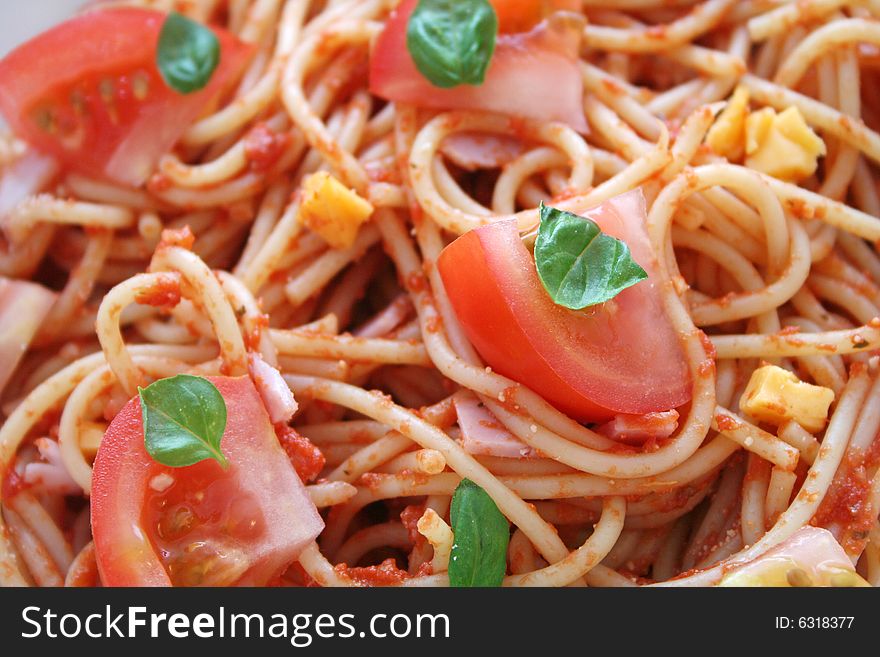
<point>451,41</point>
<point>479,553</point>
<point>188,53</point>
<point>579,265</point>
<point>184,420</point>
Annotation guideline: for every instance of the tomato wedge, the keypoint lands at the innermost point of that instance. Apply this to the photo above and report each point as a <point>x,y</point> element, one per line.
<point>620,357</point>
<point>532,74</point>
<point>200,525</point>
<point>89,93</point>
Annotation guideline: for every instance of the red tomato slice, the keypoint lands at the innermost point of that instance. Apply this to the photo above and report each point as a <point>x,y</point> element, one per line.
<point>533,75</point>
<point>620,357</point>
<point>200,525</point>
<point>88,92</point>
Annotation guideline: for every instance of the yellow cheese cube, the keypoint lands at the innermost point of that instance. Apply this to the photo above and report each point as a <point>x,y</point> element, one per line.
<point>775,395</point>
<point>758,126</point>
<point>782,145</point>
<point>727,134</point>
<point>332,210</point>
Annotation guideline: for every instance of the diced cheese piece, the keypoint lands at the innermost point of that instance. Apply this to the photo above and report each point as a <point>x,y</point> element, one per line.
<point>758,126</point>
<point>727,135</point>
<point>775,395</point>
<point>332,210</point>
<point>782,145</point>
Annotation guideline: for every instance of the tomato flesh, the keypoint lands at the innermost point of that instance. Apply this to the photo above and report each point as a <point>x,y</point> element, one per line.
<point>532,75</point>
<point>102,107</point>
<point>622,356</point>
<point>199,525</point>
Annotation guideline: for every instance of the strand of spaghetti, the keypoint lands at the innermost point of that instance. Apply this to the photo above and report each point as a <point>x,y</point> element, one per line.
<point>208,292</point>
<point>43,527</point>
<point>100,191</point>
<point>781,19</point>
<point>432,134</point>
<point>865,194</point>
<point>862,338</point>
<point>283,236</point>
<point>45,208</point>
<point>754,494</point>
<point>321,270</point>
<point>246,107</point>
<point>779,492</point>
<point>565,486</point>
<point>108,326</point>
<point>79,285</point>
<point>819,41</point>
<point>813,490</point>
<point>579,562</point>
<point>390,534</point>
<point>346,126</point>
<point>330,493</point>
<point>658,37</point>
<point>33,553</point>
<point>669,102</point>
<point>271,206</point>
<point>657,519</point>
<point>421,461</point>
<point>512,177</point>
<point>306,56</point>
<point>721,509</point>
<point>370,457</point>
<point>801,439</point>
<point>319,569</point>
<point>755,440</point>
<point>349,347</point>
<point>758,298</point>
<point>225,167</point>
<point>830,289</point>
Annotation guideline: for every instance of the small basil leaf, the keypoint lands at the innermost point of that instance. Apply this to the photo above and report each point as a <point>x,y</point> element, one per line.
<point>479,553</point>
<point>578,264</point>
<point>184,420</point>
<point>188,53</point>
<point>451,41</point>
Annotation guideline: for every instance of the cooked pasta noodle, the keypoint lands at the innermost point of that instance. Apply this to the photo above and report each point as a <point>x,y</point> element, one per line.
<point>212,262</point>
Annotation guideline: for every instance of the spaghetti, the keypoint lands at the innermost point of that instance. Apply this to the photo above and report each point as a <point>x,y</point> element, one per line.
<point>210,262</point>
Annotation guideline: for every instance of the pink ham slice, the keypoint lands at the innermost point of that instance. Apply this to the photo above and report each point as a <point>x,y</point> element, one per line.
<point>639,429</point>
<point>478,150</point>
<point>275,393</point>
<point>23,306</point>
<point>482,433</point>
<point>25,176</point>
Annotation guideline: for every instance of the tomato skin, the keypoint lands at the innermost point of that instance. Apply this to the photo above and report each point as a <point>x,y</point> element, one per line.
<point>103,108</point>
<point>532,75</point>
<point>620,357</point>
<point>257,508</point>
